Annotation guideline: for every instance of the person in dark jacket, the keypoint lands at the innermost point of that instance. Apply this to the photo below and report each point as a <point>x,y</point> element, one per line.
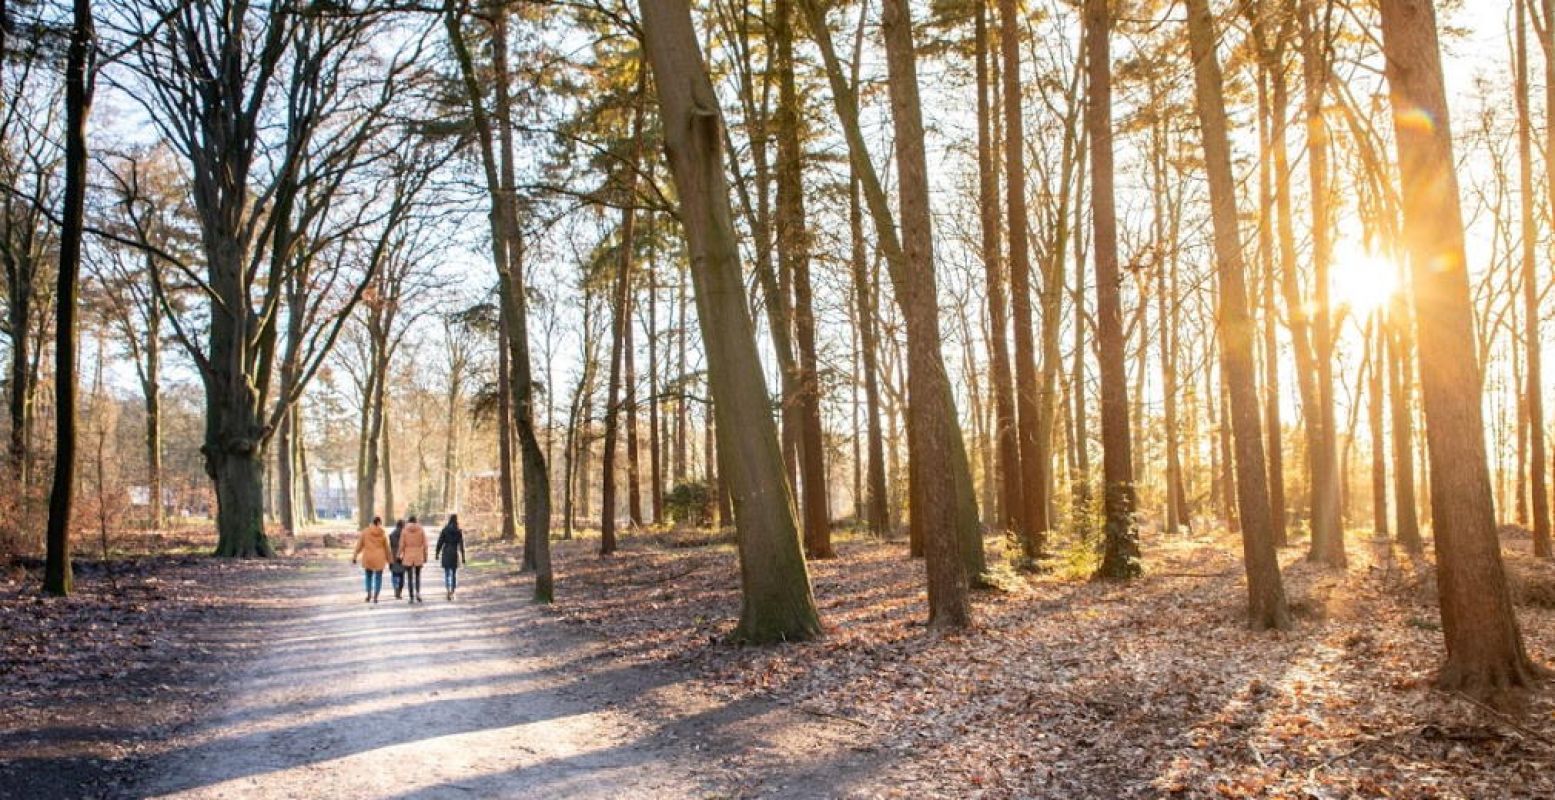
<point>450,549</point>
<point>397,567</point>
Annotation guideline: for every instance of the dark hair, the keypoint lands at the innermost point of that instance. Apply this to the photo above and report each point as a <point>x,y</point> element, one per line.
<point>377,520</point>
<point>453,520</point>
<point>412,517</point>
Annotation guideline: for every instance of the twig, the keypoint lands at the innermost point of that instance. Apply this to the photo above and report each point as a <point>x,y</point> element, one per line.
<point>1506,718</point>
<point>828,715</point>
<point>1368,743</point>
<point>1191,574</point>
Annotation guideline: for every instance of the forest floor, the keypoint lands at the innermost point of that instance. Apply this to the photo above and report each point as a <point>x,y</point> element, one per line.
<point>202,678</point>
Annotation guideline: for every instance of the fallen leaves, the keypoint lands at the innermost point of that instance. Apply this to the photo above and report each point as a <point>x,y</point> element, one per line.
<point>1072,689</point>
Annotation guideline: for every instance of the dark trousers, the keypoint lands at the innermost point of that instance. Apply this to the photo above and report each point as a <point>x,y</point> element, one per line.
<point>413,580</point>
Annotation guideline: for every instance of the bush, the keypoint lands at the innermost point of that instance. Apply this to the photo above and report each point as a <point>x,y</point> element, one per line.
<point>690,504</point>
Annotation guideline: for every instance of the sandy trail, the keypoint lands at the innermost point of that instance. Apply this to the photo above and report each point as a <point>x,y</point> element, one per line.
<point>485,696</point>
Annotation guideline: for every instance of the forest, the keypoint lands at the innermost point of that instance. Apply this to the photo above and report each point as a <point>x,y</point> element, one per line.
<point>1058,398</point>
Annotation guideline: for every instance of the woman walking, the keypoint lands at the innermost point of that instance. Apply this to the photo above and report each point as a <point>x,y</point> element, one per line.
<point>373,549</point>
<point>450,548</point>
<point>413,554</point>
<point>397,567</point>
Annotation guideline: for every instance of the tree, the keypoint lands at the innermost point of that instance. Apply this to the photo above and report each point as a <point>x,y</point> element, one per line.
<point>1484,646</point>
<point>1266,594</point>
<point>1033,523</point>
<point>938,502</point>
<point>776,603</point>
<point>793,247</point>
<point>1533,347</point>
<point>507,258</point>
<point>80,80</point>
<point>210,80</point>
<point>1120,557</point>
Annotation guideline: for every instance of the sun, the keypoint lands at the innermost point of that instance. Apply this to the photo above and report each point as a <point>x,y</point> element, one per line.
<point>1362,282</point>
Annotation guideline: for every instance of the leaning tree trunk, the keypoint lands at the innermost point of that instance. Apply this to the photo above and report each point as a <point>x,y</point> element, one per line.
<point>938,501</point>
<point>913,282</point>
<point>775,584</point>
<point>1484,646</point>
<point>1266,594</point>
<point>1120,557</point>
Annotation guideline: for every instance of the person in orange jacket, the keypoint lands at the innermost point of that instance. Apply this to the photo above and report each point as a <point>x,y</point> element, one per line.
<point>413,554</point>
<point>373,549</point>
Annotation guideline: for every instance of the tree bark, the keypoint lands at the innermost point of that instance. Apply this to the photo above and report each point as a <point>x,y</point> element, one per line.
<point>79,80</point>
<point>1033,523</point>
<point>1120,553</point>
<point>1011,479</point>
<point>776,601</point>
<point>940,505</point>
<point>1327,524</point>
<point>793,246</point>
<point>1484,646</point>
<point>1266,594</point>
<point>1533,392</point>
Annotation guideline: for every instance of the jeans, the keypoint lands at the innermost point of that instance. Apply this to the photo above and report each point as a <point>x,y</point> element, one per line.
<point>413,580</point>
<point>398,579</point>
<point>450,578</point>
<point>373,578</point>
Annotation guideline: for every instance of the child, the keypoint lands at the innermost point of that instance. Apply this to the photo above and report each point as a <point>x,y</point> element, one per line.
<point>396,567</point>
<point>373,547</point>
<point>450,547</point>
<point>413,553</point>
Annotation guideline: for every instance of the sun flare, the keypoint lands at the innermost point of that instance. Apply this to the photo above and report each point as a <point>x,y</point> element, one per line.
<point>1362,282</point>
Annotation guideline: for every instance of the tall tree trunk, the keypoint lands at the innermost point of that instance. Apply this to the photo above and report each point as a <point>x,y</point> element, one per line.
<point>153,397</point>
<point>1003,389</point>
<point>877,507</point>
<point>511,289</point>
<point>793,246</point>
<point>1484,647</point>
<point>505,415</point>
<point>941,505</point>
<point>1120,554</point>
<point>1273,427</point>
<point>1327,524</point>
<point>390,508</point>
<point>1266,594</point>
<point>634,494</point>
<point>655,451</point>
<point>1033,522</point>
<point>1533,393</point>
<point>79,80</point>
<point>621,327</point>
<point>1376,403</point>
<point>776,601</point>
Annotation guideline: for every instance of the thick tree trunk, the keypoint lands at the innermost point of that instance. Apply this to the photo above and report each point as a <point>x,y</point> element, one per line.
<point>776,601</point>
<point>941,505</point>
<point>1484,647</point>
<point>915,291</point>
<point>1120,554</point>
<point>1266,594</point>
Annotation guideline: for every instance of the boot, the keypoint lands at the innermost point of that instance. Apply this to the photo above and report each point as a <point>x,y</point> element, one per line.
<point>368,598</point>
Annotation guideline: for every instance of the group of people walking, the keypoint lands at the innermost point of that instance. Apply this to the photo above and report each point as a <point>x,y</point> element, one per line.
<point>404,552</point>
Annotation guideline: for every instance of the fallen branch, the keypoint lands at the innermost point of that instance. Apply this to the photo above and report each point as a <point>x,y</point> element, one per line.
<point>828,715</point>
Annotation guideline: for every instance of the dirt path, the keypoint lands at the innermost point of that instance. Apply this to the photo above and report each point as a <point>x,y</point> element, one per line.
<point>486,696</point>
